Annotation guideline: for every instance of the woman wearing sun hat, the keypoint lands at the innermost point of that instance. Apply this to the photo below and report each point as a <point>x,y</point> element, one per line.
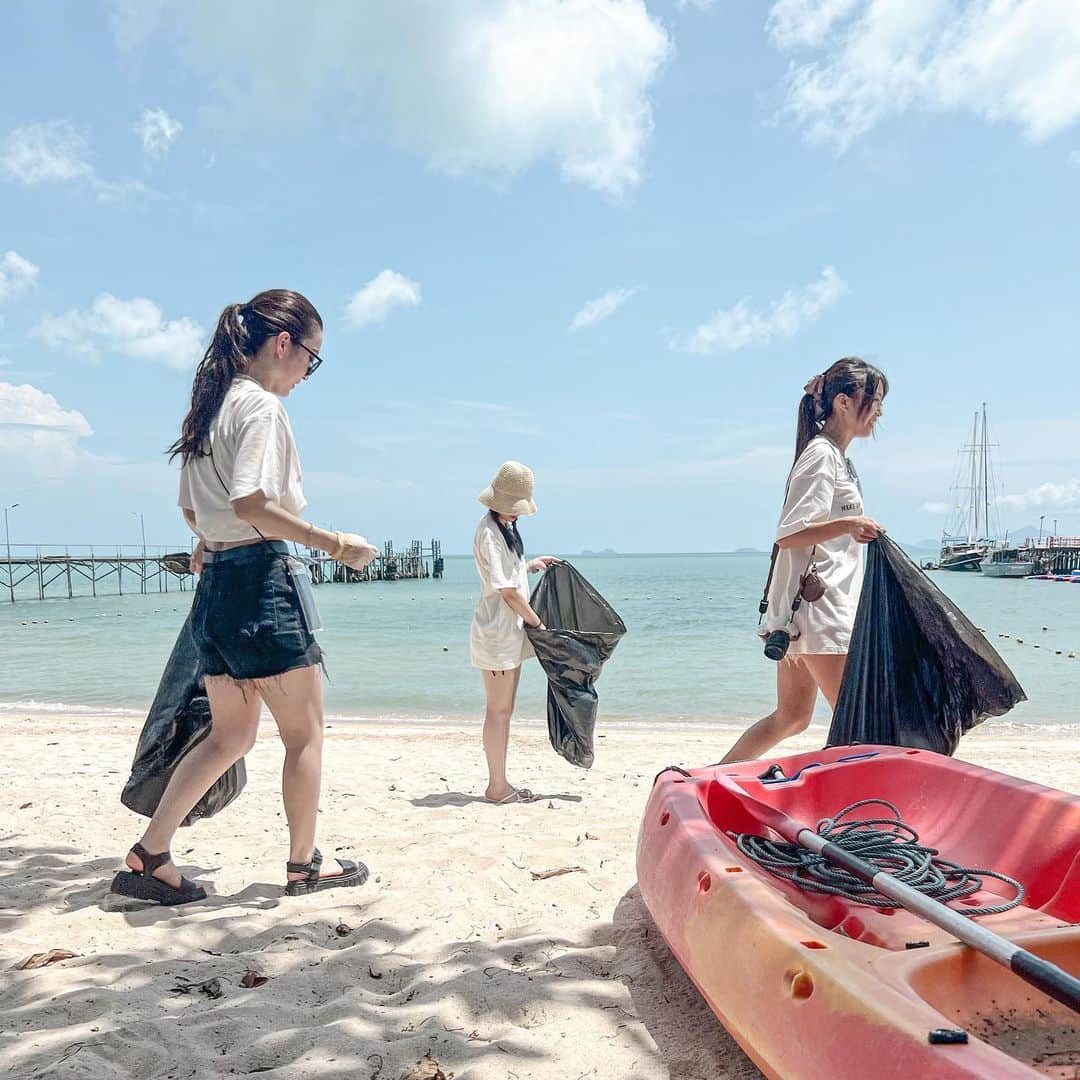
<point>497,639</point>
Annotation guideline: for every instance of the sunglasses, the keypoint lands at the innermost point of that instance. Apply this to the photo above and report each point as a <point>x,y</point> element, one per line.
<point>314,361</point>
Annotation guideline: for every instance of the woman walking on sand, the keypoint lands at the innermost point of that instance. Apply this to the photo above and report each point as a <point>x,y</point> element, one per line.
<point>823,529</point>
<point>240,492</point>
<point>497,640</point>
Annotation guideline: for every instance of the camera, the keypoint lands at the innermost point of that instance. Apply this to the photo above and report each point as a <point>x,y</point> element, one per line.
<point>776,644</point>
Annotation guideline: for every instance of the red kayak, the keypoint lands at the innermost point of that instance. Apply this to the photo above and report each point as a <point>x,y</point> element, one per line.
<point>820,987</point>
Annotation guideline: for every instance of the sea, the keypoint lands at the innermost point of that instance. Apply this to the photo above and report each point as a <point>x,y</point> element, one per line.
<point>399,650</point>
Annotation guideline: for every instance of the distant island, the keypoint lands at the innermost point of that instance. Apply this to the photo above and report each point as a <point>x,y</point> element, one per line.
<point>748,551</point>
<point>606,551</point>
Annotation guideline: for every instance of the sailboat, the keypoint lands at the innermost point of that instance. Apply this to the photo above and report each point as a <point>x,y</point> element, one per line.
<point>973,535</point>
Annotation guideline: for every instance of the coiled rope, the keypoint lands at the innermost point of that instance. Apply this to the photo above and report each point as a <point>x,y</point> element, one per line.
<point>887,842</point>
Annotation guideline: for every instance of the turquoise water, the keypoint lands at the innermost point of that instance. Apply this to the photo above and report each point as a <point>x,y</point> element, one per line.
<point>400,649</point>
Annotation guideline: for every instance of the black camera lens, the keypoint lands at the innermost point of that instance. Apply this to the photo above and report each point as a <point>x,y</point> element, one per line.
<point>776,644</point>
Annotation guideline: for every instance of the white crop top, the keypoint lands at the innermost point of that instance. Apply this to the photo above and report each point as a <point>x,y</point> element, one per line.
<point>254,450</point>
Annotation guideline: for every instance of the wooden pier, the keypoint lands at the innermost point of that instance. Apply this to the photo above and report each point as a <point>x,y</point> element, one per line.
<point>43,571</point>
<point>415,562</point>
<point>1052,554</point>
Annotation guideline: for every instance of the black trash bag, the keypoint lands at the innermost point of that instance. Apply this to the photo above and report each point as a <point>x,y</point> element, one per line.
<point>918,672</point>
<point>179,719</point>
<point>582,632</point>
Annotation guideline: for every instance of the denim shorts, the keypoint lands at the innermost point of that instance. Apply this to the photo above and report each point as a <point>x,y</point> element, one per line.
<point>246,617</point>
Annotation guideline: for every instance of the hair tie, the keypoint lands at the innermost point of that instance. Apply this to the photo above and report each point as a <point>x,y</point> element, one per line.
<point>814,388</point>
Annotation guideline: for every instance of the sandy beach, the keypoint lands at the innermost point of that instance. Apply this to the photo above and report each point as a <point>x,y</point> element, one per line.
<point>455,959</point>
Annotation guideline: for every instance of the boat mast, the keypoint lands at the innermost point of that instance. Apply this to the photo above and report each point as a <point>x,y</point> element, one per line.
<point>973,509</point>
<point>986,473</point>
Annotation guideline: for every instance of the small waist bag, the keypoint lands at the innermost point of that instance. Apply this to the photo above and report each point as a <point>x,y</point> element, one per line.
<point>811,587</point>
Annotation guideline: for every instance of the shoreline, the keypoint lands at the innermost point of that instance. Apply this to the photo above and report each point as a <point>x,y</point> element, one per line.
<point>454,950</point>
<point>998,726</point>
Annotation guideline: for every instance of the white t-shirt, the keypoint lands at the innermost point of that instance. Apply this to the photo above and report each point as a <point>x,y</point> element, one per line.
<point>497,639</point>
<point>254,450</point>
<point>822,487</point>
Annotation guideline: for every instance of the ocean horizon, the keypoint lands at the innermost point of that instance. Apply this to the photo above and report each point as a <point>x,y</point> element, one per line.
<point>398,651</point>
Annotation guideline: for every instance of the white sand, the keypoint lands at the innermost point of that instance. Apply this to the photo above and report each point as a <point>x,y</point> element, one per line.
<point>451,952</point>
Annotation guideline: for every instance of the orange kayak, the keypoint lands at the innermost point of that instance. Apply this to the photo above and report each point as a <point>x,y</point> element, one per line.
<point>818,986</point>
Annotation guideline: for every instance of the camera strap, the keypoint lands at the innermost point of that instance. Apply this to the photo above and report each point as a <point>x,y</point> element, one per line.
<point>764,605</point>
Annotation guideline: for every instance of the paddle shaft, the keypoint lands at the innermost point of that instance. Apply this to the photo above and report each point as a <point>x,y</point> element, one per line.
<point>1047,977</point>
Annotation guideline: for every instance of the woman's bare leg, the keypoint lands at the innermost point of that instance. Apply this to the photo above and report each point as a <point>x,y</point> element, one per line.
<point>295,700</point>
<point>500,689</point>
<point>828,672</point>
<point>796,692</point>
<point>234,714</point>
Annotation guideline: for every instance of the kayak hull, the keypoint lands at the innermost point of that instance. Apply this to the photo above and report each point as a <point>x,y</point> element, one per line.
<point>816,987</point>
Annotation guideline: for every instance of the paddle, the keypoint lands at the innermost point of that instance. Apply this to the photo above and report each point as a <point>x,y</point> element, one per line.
<point>1047,977</point>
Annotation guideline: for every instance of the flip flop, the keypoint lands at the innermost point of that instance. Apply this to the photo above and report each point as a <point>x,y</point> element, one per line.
<point>514,796</point>
<point>142,885</point>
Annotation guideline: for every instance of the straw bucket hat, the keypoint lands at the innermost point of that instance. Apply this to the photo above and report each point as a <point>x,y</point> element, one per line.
<point>510,493</point>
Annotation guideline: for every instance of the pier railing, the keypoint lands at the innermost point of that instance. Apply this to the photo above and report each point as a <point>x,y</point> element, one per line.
<point>1052,554</point>
<point>44,571</point>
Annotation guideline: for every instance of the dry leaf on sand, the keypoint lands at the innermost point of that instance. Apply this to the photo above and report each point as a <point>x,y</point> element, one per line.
<point>43,959</point>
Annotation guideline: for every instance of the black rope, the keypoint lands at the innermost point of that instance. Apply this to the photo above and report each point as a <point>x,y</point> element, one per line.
<point>671,768</point>
<point>890,845</point>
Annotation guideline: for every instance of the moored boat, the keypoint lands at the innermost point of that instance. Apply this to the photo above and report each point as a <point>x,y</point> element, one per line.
<point>1006,563</point>
<point>972,539</point>
<point>815,985</point>
<point>1008,569</point>
<point>961,556</point>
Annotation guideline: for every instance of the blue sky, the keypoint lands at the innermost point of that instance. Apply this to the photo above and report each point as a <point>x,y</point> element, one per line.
<point>609,238</point>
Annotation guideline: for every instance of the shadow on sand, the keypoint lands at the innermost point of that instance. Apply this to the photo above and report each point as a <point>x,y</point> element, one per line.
<point>692,1042</point>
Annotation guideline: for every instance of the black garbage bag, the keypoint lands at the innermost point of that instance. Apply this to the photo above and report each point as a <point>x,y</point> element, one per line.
<point>582,632</point>
<point>179,719</point>
<point>918,672</point>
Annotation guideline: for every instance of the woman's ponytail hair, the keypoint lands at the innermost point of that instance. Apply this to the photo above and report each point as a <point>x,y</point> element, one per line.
<point>851,376</point>
<point>242,329</point>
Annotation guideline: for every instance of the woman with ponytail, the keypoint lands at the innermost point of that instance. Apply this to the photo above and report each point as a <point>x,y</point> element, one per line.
<point>241,493</point>
<point>821,534</point>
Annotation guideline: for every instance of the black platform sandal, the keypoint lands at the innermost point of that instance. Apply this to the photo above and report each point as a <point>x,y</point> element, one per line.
<point>352,874</point>
<point>142,885</point>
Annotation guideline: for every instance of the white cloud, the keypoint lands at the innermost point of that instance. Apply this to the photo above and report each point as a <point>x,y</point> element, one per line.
<point>701,5</point>
<point>741,325</point>
<point>55,153</point>
<point>135,328</point>
<point>17,276</point>
<point>46,153</point>
<point>37,434</point>
<point>1046,497</point>
<point>117,190</point>
<point>488,87</point>
<point>384,292</point>
<point>1005,61</point>
<point>794,23</point>
<point>481,406</point>
<point>600,308</point>
<point>935,507</point>
<point>157,130</point>
<point>27,406</point>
